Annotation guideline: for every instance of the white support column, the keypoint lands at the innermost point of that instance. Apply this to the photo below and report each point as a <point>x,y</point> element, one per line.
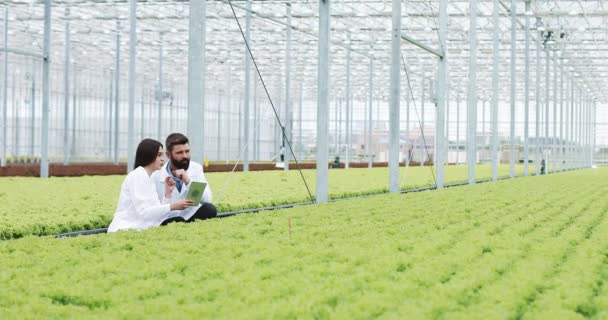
<point>323,103</point>
<point>256,117</point>
<point>527,93</point>
<point>369,115</point>
<point>585,129</point>
<point>110,103</point>
<point>495,93</point>
<point>248,84</point>
<point>593,129</point>
<point>554,150</point>
<point>580,128</point>
<point>589,129</point>
<point>538,147</point>
<point>288,102</point>
<point>196,78</point>
<point>132,79</point>
<point>447,120</point>
<point>348,105</point>
<point>440,135</point>
<point>159,93</point>
<point>74,114</point>
<point>472,94</point>
<point>142,112</point>
<point>561,139</point>
<point>458,127</point>
<point>547,103</point>
<point>5,92</point>
<point>46,94</point>
<point>33,114</point>
<point>513,87</point>
<point>66,87</point>
<point>422,120</point>
<point>117,95</point>
<point>408,99</point>
<point>300,114</point>
<point>395,97</point>
<point>229,108</point>
<point>571,132</point>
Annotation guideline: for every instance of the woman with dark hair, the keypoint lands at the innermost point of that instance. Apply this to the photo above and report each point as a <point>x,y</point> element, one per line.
<point>139,206</point>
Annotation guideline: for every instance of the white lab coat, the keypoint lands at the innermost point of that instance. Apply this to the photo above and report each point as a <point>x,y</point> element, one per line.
<point>195,172</point>
<point>139,206</point>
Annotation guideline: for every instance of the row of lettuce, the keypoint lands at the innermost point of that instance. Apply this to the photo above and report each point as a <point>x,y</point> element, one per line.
<point>32,206</point>
<point>523,248</point>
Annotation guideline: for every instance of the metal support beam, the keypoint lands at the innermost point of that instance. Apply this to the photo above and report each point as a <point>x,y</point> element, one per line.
<point>300,114</point>
<point>5,92</point>
<point>33,114</point>
<point>554,150</point>
<point>142,113</point>
<point>580,128</point>
<point>395,97</point>
<point>132,79</point>
<point>593,129</point>
<point>547,102</point>
<point>408,100</point>
<point>111,98</point>
<point>159,93</point>
<point>422,46</point>
<point>571,135</point>
<point>422,112</point>
<point>370,98</point>
<point>472,94</point>
<point>348,106</point>
<point>74,114</point>
<point>248,84</point>
<point>513,90</point>
<point>495,95</point>
<point>288,103</point>
<point>117,94</point>
<point>323,103</point>
<point>538,148</point>
<point>19,51</point>
<point>46,94</point>
<point>196,78</point>
<point>440,134</point>
<point>526,92</point>
<point>560,143</point>
<point>458,127</point>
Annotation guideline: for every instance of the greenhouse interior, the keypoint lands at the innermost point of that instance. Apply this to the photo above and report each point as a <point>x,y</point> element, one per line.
<point>425,159</point>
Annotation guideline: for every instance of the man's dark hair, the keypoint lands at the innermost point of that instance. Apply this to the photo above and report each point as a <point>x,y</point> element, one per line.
<point>175,139</point>
<point>146,153</point>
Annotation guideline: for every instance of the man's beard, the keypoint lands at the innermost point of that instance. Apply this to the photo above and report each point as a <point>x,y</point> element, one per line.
<point>183,164</point>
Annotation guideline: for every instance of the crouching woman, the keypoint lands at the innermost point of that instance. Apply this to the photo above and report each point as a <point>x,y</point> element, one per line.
<point>139,206</point>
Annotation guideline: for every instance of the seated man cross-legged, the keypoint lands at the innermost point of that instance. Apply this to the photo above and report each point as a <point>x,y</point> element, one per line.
<point>178,173</point>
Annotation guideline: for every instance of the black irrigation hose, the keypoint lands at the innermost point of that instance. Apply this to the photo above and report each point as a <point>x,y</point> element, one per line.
<point>299,204</point>
<point>312,199</point>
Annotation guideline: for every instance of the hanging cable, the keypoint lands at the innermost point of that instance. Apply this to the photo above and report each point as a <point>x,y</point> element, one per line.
<point>409,84</point>
<point>428,4</point>
<point>270,100</point>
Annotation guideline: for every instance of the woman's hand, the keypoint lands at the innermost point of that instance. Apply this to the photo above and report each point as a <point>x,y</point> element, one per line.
<point>169,186</point>
<point>181,204</point>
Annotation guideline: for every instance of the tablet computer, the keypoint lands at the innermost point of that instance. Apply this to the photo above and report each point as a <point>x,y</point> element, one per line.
<point>195,192</point>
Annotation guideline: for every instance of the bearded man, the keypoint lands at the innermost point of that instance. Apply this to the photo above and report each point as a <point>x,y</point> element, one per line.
<point>179,171</point>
